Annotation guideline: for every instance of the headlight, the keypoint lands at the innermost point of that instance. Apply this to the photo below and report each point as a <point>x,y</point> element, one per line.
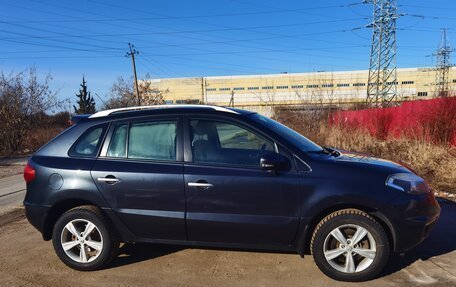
<point>408,182</point>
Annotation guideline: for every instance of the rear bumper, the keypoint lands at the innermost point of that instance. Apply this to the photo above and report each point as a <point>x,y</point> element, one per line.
<point>36,215</point>
<point>411,219</point>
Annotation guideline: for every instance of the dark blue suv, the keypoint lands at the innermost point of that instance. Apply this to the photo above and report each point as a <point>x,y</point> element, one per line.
<point>212,176</point>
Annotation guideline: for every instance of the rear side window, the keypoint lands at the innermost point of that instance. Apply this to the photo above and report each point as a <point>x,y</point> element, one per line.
<point>88,144</point>
<point>118,144</point>
<point>154,140</point>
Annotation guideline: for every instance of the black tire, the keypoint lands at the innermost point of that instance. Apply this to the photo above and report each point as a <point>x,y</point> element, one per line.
<point>347,220</point>
<point>105,233</point>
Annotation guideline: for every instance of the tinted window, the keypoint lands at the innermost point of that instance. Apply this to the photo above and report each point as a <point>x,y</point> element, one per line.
<point>226,143</point>
<point>118,144</point>
<point>299,140</point>
<point>235,137</point>
<point>152,140</point>
<point>88,143</point>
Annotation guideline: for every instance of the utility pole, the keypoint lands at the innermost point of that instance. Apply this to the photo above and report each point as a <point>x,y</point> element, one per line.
<point>132,54</point>
<point>382,81</point>
<point>442,55</point>
<point>231,104</point>
<point>203,89</point>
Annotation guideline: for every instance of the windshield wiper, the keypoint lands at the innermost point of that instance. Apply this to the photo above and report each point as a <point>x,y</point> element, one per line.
<point>331,151</point>
<point>328,151</point>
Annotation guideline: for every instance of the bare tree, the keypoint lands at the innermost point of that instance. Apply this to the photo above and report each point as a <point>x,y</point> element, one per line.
<point>314,105</point>
<point>122,94</point>
<point>151,95</point>
<point>268,98</point>
<point>24,102</point>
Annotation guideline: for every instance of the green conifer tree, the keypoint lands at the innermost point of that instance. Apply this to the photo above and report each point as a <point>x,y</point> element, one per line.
<point>86,103</point>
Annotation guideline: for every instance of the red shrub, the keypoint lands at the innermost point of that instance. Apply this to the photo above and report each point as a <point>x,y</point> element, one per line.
<point>433,120</point>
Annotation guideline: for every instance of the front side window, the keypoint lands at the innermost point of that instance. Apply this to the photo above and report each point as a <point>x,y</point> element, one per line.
<point>88,143</point>
<point>299,140</point>
<point>154,140</point>
<point>218,142</point>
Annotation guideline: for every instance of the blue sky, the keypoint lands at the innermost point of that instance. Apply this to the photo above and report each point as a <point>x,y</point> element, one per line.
<point>205,38</point>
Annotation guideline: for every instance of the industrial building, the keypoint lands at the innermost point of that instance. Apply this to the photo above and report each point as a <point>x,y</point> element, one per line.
<point>261,92</point>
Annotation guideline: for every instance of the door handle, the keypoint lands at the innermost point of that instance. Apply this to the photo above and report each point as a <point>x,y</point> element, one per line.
<point>200,184</point>
<point>109,179</point>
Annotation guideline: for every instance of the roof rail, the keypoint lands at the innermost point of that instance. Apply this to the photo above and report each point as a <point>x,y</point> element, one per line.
<point>112,111</point>
<point>77,118</point>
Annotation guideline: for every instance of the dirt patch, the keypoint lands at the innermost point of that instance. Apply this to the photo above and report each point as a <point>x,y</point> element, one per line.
<point>10,170</point>
<point>13,216</point>
<point>10,166</point>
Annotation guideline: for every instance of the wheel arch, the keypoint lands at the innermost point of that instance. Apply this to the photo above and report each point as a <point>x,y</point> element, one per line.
<point>60,208</point>
<point>303,245</point>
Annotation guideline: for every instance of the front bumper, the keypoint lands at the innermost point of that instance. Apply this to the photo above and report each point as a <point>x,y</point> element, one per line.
<point>411,219</point>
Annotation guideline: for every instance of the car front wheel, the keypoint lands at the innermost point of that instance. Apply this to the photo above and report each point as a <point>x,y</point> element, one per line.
<point>350,245</point>
<point>84,240</point>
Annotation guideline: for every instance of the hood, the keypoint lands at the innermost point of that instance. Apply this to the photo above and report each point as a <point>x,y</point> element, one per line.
<point>363,160</point>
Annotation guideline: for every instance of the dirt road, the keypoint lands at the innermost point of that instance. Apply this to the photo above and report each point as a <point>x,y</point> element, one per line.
<point>27,260</point>
<point>12,192</point>
<point>12,166</point>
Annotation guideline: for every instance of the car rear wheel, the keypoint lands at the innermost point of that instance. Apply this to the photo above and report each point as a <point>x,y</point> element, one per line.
<point>350,245</point>
<point>84,239</point>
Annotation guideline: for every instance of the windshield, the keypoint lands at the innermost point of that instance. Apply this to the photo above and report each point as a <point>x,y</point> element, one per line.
<point>299,140</point>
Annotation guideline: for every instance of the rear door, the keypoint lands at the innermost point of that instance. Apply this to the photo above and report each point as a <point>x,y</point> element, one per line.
<point>140,174</point>
<point>229,198</point>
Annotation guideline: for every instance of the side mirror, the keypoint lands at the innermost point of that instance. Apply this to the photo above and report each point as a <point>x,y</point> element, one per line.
<point>274,162</point>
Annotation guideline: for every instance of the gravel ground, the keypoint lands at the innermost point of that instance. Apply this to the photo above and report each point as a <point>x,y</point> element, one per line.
<point>27,260</point>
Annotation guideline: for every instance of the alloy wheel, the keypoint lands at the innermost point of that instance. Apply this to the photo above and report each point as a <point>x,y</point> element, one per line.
<point>349,248</point>
<point>81,240</point>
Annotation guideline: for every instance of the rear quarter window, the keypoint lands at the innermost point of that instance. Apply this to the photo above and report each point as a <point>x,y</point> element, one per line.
<point>88,144</point>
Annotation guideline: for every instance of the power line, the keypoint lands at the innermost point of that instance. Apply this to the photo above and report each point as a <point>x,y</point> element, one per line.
<point>249,53</point>
<point>28,36</point>
<point>276,11</point>
<point>247,29</point>
<point>63,35</point>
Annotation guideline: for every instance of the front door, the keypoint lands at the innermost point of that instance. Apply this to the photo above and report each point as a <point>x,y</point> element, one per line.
<point>140,174</point>
<point>229,198</point>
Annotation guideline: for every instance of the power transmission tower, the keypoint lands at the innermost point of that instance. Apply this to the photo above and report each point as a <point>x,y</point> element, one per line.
<point>442,55</point>
<point>382,82</point>
<point>132,54</point>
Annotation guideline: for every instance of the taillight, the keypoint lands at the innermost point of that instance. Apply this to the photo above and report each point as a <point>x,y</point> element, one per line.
<point>29,173</point>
